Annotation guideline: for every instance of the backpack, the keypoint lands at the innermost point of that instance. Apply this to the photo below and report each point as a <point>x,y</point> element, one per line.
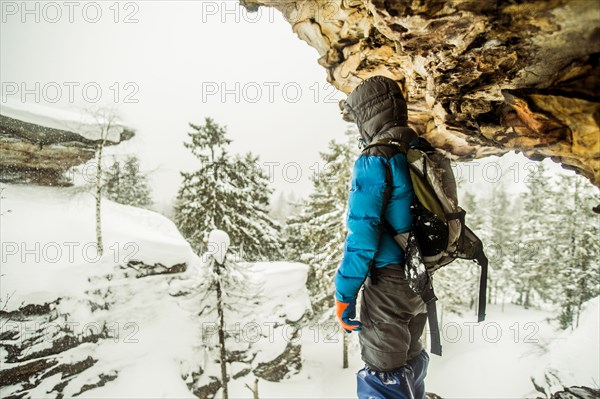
<point>438,234</point>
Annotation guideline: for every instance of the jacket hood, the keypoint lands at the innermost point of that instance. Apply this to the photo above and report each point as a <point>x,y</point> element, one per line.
<point>376,105</point>
<point>399,133</point>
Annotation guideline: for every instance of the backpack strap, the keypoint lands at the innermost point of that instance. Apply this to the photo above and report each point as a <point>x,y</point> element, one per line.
<point>482,260</point>
<point>427,294</point>
<point>434,329</point>
<point>387,193</point>
<point>475,252</point>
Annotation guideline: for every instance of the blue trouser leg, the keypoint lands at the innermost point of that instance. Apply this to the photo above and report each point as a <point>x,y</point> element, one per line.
<point>419,366</point>
<point>407,382</point>
<point>385,384</point>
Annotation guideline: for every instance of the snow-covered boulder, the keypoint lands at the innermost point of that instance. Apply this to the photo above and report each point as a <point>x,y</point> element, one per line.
<point>125,324</point>
<point>262,322</point>
<point>73,321</point>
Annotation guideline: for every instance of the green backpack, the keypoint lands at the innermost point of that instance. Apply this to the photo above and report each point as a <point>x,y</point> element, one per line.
<point>438,234</point>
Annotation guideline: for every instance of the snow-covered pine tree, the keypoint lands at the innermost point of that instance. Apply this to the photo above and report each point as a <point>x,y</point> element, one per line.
<point>138,193</point>
<point>535,266</point>
<point>220,296</point>
<point>227,193</point>
<point>317,234</point>
<point>499,242</point>
<point>513,254</point>
<point>259,234</point>
<point>297,242</point>
<point>576,249</point>
<point>278,208</point>
<point>283,207</point>
<point>113,182</point>
<point>125,184</point>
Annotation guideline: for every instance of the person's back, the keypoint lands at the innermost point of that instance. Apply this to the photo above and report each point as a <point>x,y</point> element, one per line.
<point>392,315</point>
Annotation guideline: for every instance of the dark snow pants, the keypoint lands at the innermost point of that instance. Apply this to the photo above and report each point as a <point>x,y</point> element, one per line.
<point>393,319</point>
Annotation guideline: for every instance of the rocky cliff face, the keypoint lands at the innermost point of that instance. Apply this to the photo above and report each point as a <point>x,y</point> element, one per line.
<point>482,77</point>
<point>38,146</point>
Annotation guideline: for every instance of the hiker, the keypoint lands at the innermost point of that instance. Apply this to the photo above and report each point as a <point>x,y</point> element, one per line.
<point>392,315</point>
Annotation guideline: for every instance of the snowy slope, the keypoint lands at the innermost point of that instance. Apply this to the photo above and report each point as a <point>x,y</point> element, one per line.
<point>49,258</point>
<point>573,357</point>
<point>48,235</point>
<point>144,342</point>
<point>493,359</point>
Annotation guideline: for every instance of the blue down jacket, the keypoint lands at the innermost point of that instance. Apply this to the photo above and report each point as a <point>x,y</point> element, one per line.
<point>379,109</point>
<point>364,216</point>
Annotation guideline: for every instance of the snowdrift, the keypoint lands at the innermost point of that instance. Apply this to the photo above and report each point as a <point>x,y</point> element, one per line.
<point>77,324</point>
<point>573,357</point>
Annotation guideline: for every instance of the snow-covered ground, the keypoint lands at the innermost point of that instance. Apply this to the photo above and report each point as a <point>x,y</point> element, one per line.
<point>498,357</point>
<point>155,338</point>
<point>48,241</point>
<point>48,252</point>
<point>494,359</point>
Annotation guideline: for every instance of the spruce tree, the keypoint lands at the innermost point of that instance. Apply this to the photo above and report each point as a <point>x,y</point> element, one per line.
<point>226,193</point>
<point>499,243</point>
<point>284,206</point>
<point>576,249</point>
<point>298,244</point>
<point>534,261</point>
<point>279,208</point>
<point>125,184</point>
<point>113,182</point>
<point>221,295</point>
<point>259,234</point>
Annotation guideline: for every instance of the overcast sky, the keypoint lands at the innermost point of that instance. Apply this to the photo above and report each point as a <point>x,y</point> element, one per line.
<point>181,61</point>
<point>164,64</point>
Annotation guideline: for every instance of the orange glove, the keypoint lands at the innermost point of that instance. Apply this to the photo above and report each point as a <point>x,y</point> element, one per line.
<point>346,313</point>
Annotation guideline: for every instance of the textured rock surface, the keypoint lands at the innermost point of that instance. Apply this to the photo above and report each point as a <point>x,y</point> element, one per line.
<point>482,76</point>
<point>577,393</point>
<point>34,153</point>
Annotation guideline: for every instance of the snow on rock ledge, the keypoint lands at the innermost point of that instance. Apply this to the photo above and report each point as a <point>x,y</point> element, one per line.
<point>38,143</point>
<point>482,77</point>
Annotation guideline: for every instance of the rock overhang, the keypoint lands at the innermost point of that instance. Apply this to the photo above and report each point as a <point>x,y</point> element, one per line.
<point>482,77</point>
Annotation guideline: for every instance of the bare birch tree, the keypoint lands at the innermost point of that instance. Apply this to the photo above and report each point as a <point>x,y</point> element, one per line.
<point>104,127</point>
